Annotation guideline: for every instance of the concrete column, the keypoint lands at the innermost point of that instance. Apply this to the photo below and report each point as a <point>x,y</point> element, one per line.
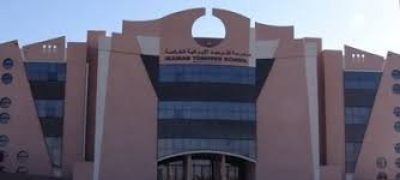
<point>188,167</point>
<point>222,168</point>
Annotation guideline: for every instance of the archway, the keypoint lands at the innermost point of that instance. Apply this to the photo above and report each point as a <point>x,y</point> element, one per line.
<point>205,166</point>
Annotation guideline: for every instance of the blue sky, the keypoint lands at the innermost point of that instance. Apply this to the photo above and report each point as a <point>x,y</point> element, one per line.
<point>373,25</point>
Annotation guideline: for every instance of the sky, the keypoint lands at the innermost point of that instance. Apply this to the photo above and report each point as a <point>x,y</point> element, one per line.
<point>371,25</point>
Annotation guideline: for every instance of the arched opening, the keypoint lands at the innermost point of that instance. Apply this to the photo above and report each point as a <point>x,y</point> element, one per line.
<point>205,166</point>
<point>208,31</point>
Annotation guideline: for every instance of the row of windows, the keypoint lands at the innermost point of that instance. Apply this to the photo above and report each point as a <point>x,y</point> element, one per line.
<point>206,110</point>
<point>207,73</point>
<point>20,170</point>
<point>361,80</point>
<point>172,146</point>
<point>359,96</point>
<point>50,108</point>
<point>357,115</point>
<point>45,71</point>
<point>22,156</point>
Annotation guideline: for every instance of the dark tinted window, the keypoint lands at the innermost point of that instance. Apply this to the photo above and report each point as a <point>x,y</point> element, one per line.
<point>4,118</point>
<point>396,74</point>
<point>396,111</point>
<point>207,73</point>
<point>361,80</point>
<point>22,156</point>
<point>50,108</point>
<point>396,88</point>
<point>359,96</point>
<point>22,170</point>
<point>2,156</point>
<point>8,63</point>
<point>381,162</point>
<point>6,78</point>
<point>206,129</point>
<point>45,71</point>
<point>397,162</point>
<point>173,146</point>
<point>206,110</point>
<point>397,148</point>
<point>357,115</point>
<point>397,126</point>
<point>5,102</point>
<point>3,140</point>
<point>381,176</point>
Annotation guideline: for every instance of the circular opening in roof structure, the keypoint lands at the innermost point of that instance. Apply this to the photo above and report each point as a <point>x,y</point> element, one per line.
<point>208,31</point>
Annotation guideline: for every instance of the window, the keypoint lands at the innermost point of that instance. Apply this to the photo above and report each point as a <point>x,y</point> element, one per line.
<point>381,176</point>
<point>6,78</point>
<point>397,148</point>
<point>8,63</point>
<point>361,80</point>
<point>397,126</point>
<point>5,102</point>
<point>206,110</point>
<point>22,170</point>
<point>396,88</point>
<point>22,156</point>
<point>4,118</point>
<point>3,140</point>
<point>397,162</point>
<point>396,74</point>
<point>168,147</point>
<point>396,111</point>
<point>381,162</point>
<point>207,73</point>
<point>50,108</point>
<point>45,71</point>
<point>357,115</point>
<point>2,156</point>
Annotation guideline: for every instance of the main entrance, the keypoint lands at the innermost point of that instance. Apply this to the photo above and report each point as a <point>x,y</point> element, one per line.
<point>205,167</point>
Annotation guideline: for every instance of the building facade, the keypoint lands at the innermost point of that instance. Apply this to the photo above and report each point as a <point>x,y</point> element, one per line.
<point>154,102</point>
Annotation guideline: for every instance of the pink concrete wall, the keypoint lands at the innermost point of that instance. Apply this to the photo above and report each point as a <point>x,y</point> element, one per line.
<point>332,173</point>
<point>380,136</point>
<point>53,49</point>
<point>283,129</point>
<point>356,59</point>
<point>24,130</point>
<point>83,171</point>
<point>176,33</point>
<point>74,114</point>
<point>129,147</point>
<point>334,110</point>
